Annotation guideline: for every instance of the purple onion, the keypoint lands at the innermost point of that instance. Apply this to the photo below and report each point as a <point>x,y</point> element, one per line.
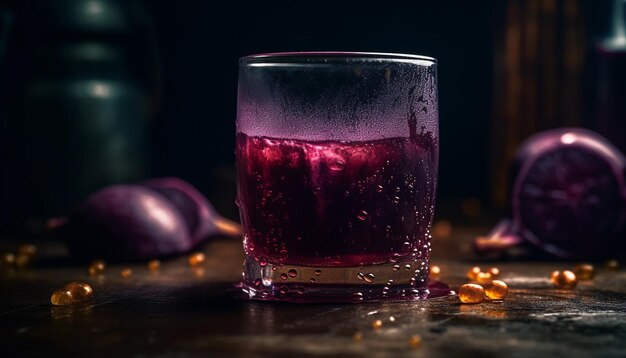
<point>568,197</point>
<point>201,218</point>
<point>125,223</point>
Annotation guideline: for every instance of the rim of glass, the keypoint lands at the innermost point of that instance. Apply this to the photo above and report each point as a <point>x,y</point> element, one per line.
<point>315,55</point>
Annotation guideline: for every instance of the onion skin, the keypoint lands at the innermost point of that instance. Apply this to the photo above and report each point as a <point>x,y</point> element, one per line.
<point>586,242</point>
<point>125,223</point>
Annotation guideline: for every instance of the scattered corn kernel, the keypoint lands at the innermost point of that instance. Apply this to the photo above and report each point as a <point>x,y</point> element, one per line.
<point>96,267</point>
<point>471,293</point>
<point>27,250</point>
<point>80,291</point>
<point>564,279</point>
<point>154,265</point>
<point>196,258</point>
<point>473,272</point>
<point>126,273</point>
<point>377,324</point>
<point>612,265</point>
<point>415,341</point>
<point>357,337</point>
<point>585,272</point>
<point>495,273</point>
<point>496,290</point>
<point>61,297</point>
<point>7,260</point>
<point>435,271</point>
<point>23,260</point>
<point>483,277</point>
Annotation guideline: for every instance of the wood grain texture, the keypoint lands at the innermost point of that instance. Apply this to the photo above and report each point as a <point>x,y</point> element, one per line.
<point>188,311</point>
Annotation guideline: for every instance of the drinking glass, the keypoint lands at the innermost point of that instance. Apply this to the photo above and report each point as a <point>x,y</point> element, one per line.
<point>337,156</point>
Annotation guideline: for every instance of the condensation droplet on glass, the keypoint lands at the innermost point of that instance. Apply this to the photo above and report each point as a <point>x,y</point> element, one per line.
<point>292,273</point>
<point>396,267</point>
<point>407,267</point>
<point>300,290</point>
<point>397,189</point>
<point>379,188</point>
<point>283,276</point>
<point>284,290</point>
<point>396,199</point>
<point>318,272</point>
<point>390,282</point>
<point>360,276</point>
<point>362,215</point>
<point>369,278</point>
<point>257,282</point>
<point>312,280</point>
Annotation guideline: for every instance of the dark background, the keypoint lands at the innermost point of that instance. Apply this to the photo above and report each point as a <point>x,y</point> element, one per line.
<point>184,54</point>
<point>200,48</point>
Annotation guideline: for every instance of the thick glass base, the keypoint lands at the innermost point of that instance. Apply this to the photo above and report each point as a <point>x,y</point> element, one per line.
<point>401,281</point>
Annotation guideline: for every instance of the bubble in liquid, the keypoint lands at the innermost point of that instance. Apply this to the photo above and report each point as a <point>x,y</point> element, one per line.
<point>283,276</point>
<point>362,215</point>
<point>337,164</point>
<point>369,278</point>
<point>318,272</point>
<point>292,273</point>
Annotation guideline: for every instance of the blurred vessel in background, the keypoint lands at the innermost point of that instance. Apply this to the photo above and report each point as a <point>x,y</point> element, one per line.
<point>607,81</point>
<point>78,90</point>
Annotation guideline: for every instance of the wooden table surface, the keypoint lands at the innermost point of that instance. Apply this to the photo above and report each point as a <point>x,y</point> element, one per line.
<point>189,311</point>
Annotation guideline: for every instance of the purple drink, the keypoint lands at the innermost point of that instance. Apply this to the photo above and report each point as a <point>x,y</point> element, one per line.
<point>337,159</point>
<point>336,204</point>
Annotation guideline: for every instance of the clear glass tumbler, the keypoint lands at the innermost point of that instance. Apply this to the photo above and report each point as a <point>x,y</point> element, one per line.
<point>337,157</point>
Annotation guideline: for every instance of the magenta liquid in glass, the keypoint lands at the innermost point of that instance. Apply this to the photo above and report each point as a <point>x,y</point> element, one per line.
<point>337,160</point>
<point>336,203</point>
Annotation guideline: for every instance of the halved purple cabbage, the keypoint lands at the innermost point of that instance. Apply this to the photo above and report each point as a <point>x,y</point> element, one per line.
<point>568,197</point>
